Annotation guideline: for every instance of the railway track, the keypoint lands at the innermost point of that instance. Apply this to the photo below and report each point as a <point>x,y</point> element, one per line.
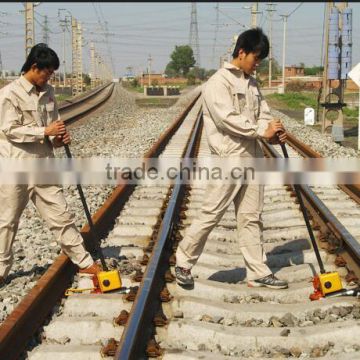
<point>221,317</point>
<point>28,317</point>
<point>70,110</point>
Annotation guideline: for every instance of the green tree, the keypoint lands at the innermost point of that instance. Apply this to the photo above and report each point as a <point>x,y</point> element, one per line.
<point>197,73</point>
<point>170,70</point>
<point>86,79</point>
<point>314,70</point>
<point>182,59</point>
<point>263,68</point>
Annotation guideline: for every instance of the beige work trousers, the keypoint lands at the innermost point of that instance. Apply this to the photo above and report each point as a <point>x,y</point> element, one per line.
<point>248,201</point>
<point>51,204</point>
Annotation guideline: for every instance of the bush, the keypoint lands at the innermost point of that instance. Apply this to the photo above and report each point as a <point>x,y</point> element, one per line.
<point>191,79</point>
<point>296,85</point>
<point>135,82</point>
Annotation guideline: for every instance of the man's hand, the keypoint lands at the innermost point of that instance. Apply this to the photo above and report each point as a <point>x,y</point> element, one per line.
<point>273,128</point>
<point>279,138</point>
<point>55,128</point>
<point>61,140</point>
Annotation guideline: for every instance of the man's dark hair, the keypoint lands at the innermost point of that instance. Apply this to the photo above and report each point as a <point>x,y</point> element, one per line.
<point>43,57</point>
<point>253,40</point>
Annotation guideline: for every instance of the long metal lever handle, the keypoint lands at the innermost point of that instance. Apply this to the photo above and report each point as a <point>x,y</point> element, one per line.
<point>88,217</point>
<point>306,218</point>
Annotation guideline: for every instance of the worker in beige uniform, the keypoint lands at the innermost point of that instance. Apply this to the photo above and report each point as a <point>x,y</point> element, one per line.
<point>29,128</point>
<point>235,117</point>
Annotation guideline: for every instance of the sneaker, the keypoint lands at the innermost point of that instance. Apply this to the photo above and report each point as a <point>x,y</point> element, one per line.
<point>270,281</point>
<point>93,269</point>
<point>183,276</point>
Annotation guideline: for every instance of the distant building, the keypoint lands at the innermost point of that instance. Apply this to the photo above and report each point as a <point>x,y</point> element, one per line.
<point>294,70</point>
<point>160,79</point>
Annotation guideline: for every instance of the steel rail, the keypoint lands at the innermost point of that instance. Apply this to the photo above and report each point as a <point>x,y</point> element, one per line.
<point>353,190</point>
<point>317,207</point>
<point>27,317</point>
<point>81,106</point>
<point>140,326</point>
<point>81,98</point>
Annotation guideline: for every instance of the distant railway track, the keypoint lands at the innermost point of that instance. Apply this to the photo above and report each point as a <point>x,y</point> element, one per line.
<point>70,110</point>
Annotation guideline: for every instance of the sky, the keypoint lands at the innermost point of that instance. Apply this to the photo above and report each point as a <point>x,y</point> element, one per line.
<point>137,30</point>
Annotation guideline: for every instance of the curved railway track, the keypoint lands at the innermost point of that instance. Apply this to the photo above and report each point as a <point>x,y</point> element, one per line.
<point>221,318</point>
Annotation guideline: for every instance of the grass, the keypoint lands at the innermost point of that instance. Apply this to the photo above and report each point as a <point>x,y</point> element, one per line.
<point>294,103</point>
<point>354,113</point>
<point>294,100</point>
<point>62,97</point>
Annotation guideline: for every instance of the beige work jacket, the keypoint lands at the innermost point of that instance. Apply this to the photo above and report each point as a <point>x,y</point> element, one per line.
<point>235,113</point>
<point>23,118</point>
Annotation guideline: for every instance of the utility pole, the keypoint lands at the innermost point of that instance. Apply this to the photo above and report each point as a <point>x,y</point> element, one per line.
<point>216,33</point>
<point>97,69</point>
<point>29,27</point>
<point>46,31</point>
<point>337,63</point>
<point>74,55</point>
<point>149,68</point>
<point>76,33</point>
<point>92,65</point>
<point>1,68</point>
<point>64,24</point>
<point>194,34</point>
<point>80,68</point>
<point>326,63</point>
<point>284,17</point>
<point>270,10</point>
<point>254,12</point>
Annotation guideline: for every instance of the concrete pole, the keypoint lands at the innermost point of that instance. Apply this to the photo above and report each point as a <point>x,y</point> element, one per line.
<point>149,68</point>
<point>284,48</point>
<point>270,10</point>
<point>325,87</point>
<point>74,55</point>
<point>29,27</point>
<point>92,64</point>
<point>80,68</point>
<point>254,12</point>
<point>64,54</point>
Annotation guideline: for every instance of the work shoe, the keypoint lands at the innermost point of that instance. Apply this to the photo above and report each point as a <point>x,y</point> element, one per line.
<point>270,281</point>
<point>183,276</point>
<point>93,269</point>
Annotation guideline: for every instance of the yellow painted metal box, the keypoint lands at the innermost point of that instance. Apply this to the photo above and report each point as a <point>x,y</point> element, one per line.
<point>109,280</point>
<point>330,282</point>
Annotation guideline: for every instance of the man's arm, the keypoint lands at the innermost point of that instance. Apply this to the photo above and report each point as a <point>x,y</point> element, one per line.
<point>265,123</point>
<point>218,99</point>
<point>265,116</point>
<point>12,127</point>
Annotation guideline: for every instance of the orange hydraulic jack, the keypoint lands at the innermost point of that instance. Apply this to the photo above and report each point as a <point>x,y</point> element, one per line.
<point>326,283</point>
